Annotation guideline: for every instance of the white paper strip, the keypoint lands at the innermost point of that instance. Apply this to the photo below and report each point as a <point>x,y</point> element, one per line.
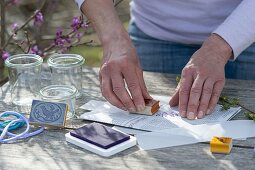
<point>236,129</point>
<point>173,137</point>
<point>196,133</point>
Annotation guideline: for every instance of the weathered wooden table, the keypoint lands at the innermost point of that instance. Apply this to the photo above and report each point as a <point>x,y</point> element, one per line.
<point>49,150</point>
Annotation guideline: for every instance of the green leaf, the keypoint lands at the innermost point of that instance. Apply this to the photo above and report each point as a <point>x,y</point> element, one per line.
<point>250,115</point>
<point>227,102</point>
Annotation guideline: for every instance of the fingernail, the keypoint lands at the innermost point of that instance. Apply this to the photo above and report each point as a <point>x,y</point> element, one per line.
<point>191,115</point>
<point>132,110</point>
<point>183,114</point>
<point>208,112</point>
<point>200,114</point>
<point>140,108</point>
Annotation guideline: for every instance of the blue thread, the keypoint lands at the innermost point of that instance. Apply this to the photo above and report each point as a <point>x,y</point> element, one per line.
<point>7,136</point>
<point>13,126</point>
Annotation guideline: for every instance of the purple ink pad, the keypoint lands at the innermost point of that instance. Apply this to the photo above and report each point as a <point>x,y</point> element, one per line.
<point>100,135</point>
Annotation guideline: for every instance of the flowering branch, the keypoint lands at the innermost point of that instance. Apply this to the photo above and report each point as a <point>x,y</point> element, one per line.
<point>22,26</point>
<point>61,42</point>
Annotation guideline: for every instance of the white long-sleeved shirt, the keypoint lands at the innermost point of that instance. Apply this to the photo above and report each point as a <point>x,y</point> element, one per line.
<point>192,21</point>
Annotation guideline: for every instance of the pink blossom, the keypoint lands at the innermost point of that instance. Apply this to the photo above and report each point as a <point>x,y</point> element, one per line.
<point>61,40</point>
<point>59,33</point>
<point>35,50</point>
<point>79,35</point>
<point>15,26</point>
<point>5,55</point>
<point>84,25</point>
<point>38,18</point>
<point>76,23</point>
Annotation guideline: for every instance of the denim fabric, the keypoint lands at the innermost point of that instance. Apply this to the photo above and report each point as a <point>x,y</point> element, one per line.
<point>168,57</point>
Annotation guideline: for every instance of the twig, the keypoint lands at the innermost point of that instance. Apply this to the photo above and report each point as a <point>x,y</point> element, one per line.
<point>117,3</point>
<point>87,22</point>
<point>20,47</point>
<point>245,108</point>
<point>48,48</point>
<point>71,32</point>
<point>23,25</point>
<point>238,104</point>
<point>2,3</point>
<point>63,36</point>
<point>28,42</point>
<point>79,44</point>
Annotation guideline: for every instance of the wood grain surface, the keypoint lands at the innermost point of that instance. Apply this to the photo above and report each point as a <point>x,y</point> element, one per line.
<point>49,150</point>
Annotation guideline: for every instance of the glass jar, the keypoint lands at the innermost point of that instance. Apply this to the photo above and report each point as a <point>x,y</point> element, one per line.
<point>24,77</point>
<point>66,69</point>
<point>60,94</point>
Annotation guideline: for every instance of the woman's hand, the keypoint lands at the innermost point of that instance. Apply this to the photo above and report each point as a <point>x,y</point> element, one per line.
<point>202,79</point>
<point>121,77</point>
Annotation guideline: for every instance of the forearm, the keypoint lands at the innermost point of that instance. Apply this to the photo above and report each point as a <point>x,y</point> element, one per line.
<point>216,44</point>
<point>104,19</point>
<point>120,61</point>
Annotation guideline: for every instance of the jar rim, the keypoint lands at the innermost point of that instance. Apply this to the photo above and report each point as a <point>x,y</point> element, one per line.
<point>52,61</point>
<point>66,88</point>
<point>38,60</point>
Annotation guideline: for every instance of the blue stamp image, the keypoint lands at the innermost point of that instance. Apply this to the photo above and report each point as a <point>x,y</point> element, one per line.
<point>48,113</point>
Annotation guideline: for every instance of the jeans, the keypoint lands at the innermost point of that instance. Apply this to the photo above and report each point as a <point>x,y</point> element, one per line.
<point>168,57</point>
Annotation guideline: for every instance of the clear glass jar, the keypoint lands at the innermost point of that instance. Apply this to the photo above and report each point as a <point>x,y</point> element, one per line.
<point>60,94</point>
<point>66,69</point>
<point>24,77</point>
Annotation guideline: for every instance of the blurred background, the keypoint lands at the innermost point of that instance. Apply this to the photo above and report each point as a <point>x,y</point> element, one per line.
<point>56,14</point>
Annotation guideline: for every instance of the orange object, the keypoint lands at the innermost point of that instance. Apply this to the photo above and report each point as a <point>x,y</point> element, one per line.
<point>221,145</point>
<point>151,107</point>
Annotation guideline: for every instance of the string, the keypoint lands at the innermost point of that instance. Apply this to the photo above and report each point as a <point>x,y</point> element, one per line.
<point>14,126</point>
<point>7,136</point>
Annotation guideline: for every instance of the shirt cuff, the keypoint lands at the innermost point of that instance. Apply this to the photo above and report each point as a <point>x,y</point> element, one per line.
<point>238,29</point>
<point>79,3</point>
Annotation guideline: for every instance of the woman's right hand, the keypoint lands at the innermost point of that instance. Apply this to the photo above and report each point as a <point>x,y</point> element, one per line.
<point>121,77</point>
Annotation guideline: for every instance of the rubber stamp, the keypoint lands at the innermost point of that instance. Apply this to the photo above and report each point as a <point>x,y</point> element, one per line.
<point>221,145</point>
<point>151,107</point>
<point>48,113</point>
